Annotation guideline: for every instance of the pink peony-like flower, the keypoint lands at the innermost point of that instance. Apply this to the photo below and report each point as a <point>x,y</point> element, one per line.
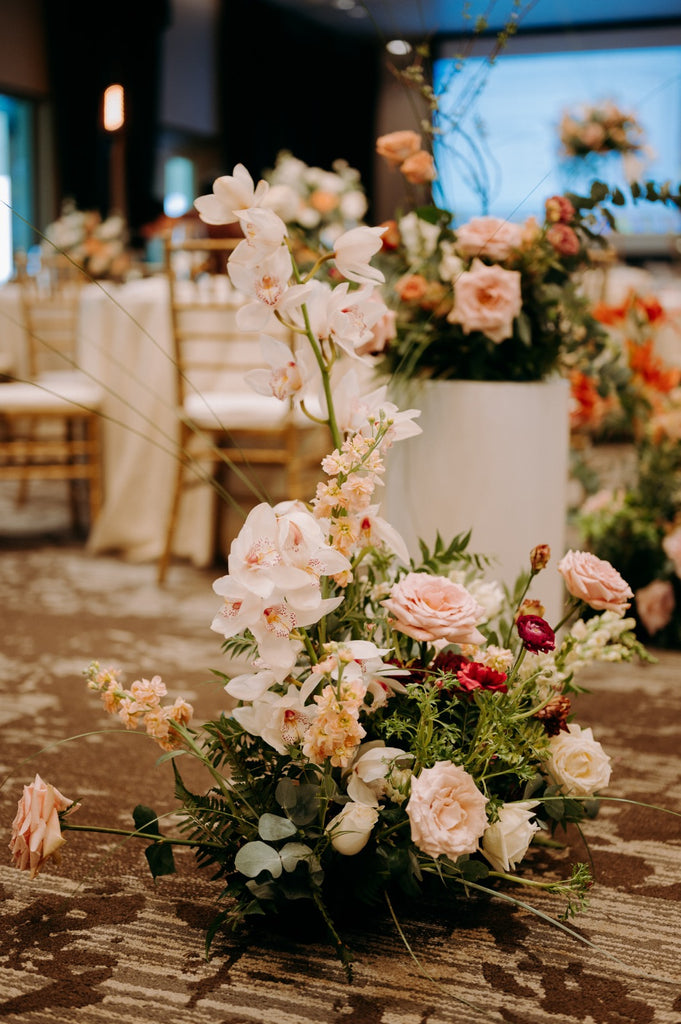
<point>397,146</point>
<point>593,580</point>
<point>655,605</point>
<point>563,239</point>
<point>559,210</point>
<point>536,634</point>
<point>488,236</point>
<point>419,168</point>
<point>431,608</point>
<point>487,299</point>
<point>36,831</point>
<point>671,545</point>
<point>446,811</point>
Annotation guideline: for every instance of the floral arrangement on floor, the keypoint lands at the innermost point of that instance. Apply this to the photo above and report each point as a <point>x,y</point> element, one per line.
<point>98,246</point>
<point>639,524</point>
<point>601,127</point>
<point>395,728</point>
<point>645,382</point>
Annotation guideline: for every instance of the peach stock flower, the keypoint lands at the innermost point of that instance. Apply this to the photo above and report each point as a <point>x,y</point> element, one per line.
<point>446,811</point>
<point>36,831</point>
<point>434,608</point>
<point>487,299</point>
<point>655,605</point>
<point>593,580</point>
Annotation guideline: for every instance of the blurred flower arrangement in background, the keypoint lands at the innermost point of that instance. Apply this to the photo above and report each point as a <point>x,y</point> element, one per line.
<point>599,128</point>
<point>393,728</point>
<point>99,247</point>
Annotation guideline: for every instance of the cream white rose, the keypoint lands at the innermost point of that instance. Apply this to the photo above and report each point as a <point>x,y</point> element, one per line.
<point>506,842</point>
<point>351,828</point>
<point>577,763</point>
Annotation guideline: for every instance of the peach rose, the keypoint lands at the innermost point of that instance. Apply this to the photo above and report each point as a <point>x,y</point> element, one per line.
<point>431,608</point>
<point>671,545</point>
<point>397,146</point>
<point>595,581</point>
<point>446,811</point>
<point>488,236</point>
<point>411,287</point>
<point>577,762</point>
<point>36,832</point>
<point>487,299</point>
<point>419,168</point>
<point>655,605</point>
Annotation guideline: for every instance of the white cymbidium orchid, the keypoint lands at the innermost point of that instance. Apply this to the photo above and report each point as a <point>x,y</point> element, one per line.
<point>370,769</point>
<point>231,192</point>
<point>265,282</point>
<point>264,232</point>
<point>281,719</point>
<point>289,376</point>
<point>354,410</point>
<point>353,252</point>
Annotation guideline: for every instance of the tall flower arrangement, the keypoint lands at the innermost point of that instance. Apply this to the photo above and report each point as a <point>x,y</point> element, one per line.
<point>396,727</point>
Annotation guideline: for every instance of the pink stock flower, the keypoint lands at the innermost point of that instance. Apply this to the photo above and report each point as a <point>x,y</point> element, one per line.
<point>487,299</point>
<point>594,581</point>
<point>446,811</point>
<point>432,608</point>
<point>36,831</point>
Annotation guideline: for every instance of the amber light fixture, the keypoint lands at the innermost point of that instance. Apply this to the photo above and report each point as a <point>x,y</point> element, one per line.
<point>113,113</point>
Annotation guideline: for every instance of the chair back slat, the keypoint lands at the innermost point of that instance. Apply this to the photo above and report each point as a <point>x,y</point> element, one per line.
<point>50,301</point>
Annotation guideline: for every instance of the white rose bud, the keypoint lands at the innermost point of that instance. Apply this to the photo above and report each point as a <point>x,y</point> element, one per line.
<point>351,828</point>
<point>578,764</point>
<point>506,842</point>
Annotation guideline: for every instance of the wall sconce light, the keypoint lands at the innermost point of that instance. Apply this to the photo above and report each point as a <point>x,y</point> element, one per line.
<point>113,114</point>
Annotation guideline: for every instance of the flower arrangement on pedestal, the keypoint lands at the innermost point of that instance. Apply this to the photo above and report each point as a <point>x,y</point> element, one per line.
<point>98,246</point>
<point>395,727</point>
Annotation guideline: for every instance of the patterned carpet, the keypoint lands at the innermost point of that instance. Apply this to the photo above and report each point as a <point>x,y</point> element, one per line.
<point>94,941</point>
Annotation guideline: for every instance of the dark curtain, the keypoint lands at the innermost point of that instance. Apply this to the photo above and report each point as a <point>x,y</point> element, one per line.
<point>287,83</point>
<point>88,50</point>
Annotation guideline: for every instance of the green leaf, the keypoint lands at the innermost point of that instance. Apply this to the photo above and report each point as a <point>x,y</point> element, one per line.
<point>299,800</point>
<point>255,857</point>
<point>272,827</point>
<point>473,870</point>
<point>146,820</point>
<point>293,854</point>
<point>160,859</point>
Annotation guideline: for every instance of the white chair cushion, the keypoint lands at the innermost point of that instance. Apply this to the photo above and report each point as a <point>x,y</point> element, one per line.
<point>54,397</point>
<point>238,410</point>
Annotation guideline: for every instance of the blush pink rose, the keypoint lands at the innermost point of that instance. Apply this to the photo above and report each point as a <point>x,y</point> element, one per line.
<point>419,168</point>
<point>595,581</point>
<point>446,811</point>
<point>396,147</point>
<point>671,545</point>
<point>488,236</point>
<point>36,831</point>
<point>411,287</point>
<point>563,239</point>
<point>655,605</point>
<point>431,608</point>
<point>487,299</point>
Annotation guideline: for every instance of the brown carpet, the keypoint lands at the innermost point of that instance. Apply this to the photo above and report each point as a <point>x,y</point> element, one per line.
<point>95,941</point>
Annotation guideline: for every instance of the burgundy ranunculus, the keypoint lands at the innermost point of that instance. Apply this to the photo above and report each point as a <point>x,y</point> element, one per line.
<point>554,715</point>
<point>476,676</point>
<point>536,634</point>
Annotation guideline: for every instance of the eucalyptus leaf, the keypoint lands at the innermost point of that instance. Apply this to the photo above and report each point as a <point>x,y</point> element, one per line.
<point>255,857</point>
<point>272,827</point>
<point>293,853</point>
<point>299,800</point>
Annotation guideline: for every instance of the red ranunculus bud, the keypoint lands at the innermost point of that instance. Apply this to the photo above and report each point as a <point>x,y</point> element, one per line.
<point>536,634</point>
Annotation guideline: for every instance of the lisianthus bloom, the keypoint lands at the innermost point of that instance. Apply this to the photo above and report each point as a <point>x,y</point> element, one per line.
<point>536,634</point>
<point>506,841</point>
<point>36,831</point>
<point>487,299</point>
<point>476,676</point>
<point>446,811</point>
<point>593,580</point>
<point>577,763</point>
<point>431,608</point>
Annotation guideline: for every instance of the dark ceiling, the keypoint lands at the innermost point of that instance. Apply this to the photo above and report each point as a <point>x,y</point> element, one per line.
<point>415,19</point>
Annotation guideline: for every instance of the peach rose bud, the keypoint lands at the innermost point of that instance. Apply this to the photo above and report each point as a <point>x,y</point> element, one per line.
<point>540,556</point>
<point>36,831</point>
